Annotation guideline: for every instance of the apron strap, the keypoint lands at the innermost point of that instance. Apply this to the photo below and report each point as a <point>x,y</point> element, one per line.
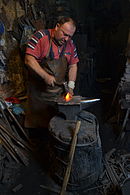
<point>62,52</point>
<point>50,41</point>
<point>50,53</point>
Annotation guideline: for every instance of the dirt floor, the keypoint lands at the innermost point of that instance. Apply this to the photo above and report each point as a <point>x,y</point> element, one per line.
<point>35,179</point>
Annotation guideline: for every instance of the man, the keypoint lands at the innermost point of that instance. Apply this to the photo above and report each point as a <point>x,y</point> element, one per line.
<point>51,58</point>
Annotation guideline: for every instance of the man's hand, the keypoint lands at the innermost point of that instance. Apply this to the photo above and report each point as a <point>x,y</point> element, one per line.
<point>50,80</point>
<point>34,65</point>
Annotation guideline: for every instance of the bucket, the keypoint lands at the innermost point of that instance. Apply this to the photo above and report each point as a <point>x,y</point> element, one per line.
<point>87,163</point>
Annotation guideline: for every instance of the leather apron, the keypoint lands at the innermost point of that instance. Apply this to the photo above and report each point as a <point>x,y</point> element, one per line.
<point>41,104</point>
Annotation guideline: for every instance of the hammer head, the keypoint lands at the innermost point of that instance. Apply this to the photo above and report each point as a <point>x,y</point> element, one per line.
<point>65,86</point>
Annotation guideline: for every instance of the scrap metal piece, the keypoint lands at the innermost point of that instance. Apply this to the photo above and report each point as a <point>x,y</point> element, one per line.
<point>110,173</point>
<point>17,188</point>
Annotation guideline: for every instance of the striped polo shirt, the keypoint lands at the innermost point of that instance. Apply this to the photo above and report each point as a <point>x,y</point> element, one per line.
<point>38,47</point>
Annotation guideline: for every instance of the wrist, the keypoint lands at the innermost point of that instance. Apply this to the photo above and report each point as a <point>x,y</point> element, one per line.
<point>45,75</point>
<point>71,84</point>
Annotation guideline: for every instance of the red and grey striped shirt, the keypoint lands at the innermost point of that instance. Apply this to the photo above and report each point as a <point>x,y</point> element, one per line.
<point>38,47</point>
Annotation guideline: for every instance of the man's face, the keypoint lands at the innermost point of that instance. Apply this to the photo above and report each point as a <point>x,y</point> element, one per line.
<point>63,33</point>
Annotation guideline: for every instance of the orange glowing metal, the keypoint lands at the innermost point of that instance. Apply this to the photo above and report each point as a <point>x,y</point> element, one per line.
<point>68,97</point>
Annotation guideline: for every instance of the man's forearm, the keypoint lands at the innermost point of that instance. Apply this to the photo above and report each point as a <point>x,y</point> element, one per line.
<point>31,62</point>
<point>72,77</point>
<point>73,72</point>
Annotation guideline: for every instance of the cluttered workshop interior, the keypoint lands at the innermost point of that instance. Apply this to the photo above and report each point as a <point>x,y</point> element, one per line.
<point>64,97</point>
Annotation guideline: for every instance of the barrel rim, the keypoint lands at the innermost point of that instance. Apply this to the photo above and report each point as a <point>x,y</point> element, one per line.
<point>80,145</point>
<point>77,145</point>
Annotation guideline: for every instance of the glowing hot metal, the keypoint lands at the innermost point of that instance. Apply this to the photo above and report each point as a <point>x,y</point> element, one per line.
<point>68,97</point>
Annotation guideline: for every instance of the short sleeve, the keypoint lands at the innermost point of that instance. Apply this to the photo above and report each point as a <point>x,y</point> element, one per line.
<point>71,53</point>
<point>35,44</point>
<point>74,55</point>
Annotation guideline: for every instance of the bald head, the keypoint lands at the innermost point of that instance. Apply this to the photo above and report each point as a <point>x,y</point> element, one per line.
<point>63,20</point>
<point>64,30</point>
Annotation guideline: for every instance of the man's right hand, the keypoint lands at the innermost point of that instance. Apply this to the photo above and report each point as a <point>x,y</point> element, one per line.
<point>50,80</point>
<point>32,63</point>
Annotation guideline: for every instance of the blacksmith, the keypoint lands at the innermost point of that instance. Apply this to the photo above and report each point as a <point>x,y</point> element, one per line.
<point>51,59</point>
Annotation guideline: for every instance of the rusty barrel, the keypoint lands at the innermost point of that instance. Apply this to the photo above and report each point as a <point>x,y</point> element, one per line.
<point>87,162</point>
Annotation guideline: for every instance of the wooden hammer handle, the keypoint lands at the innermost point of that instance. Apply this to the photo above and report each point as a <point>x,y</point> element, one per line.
<point>71,156</point>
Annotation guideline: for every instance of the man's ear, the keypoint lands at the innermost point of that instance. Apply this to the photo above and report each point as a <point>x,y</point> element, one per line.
<point>57,26</point>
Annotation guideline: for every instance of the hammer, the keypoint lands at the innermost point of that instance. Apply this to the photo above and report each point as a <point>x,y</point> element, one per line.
<point>64,85</point>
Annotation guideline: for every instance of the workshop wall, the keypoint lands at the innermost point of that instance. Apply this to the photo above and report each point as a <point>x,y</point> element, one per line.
<point>101,38</point>
<point>18,20</point>
<point>105,24</point>
<point>11,65</point>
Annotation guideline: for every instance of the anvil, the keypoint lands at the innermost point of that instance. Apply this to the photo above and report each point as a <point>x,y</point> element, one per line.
<point>71,108</point>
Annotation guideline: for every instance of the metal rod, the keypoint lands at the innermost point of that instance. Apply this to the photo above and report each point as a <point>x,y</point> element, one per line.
<point>4,106</point>
<point>16,121</point>
<point>14,148</point>
<point>24,145</point>
<point>89,101</point>
<point>8,148</point>
<point>6,120</point>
